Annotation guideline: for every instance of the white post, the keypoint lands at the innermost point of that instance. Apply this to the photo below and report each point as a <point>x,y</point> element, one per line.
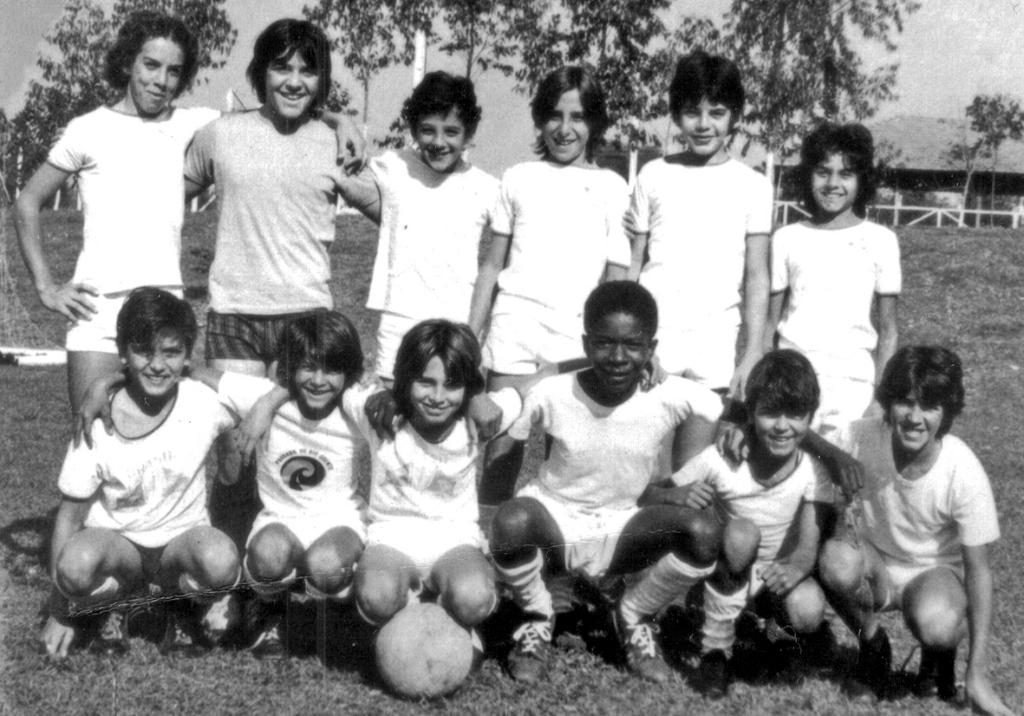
<point>1018,212</point>
<point>634,157</point>
<point>419,63</point>
<point>56,200</point>
<point>229,101</point>
<point>897,202</point>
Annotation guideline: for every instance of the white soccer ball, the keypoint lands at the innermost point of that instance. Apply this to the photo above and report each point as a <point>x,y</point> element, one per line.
<point>422,652</point>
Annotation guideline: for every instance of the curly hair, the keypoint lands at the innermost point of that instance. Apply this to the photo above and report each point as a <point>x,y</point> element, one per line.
<point>855,144</point>
<point>140,28</point>
<point>440,93</point>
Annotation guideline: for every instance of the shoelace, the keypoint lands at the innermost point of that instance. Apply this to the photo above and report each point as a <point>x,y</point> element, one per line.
<point>642,637</point>
<point>269,634</point>
<point>530,635</point>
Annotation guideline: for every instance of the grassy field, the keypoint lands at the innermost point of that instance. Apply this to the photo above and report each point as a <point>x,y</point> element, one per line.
<point>961,289</point>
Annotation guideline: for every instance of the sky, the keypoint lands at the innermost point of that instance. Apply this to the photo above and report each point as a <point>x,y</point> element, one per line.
<point>950,50</point>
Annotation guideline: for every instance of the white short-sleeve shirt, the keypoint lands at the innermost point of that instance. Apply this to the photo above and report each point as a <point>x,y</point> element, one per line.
<point>152,488</point>
<point>566,226</point>
<point>923,522</point>
<point>771,508</point>
<point>133,194</point>
<point>832,278</point>
<point>602,458</point>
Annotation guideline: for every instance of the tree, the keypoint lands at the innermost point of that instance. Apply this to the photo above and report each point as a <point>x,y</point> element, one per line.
<point>799,63</point>
<point>967,151</point>
<point>71,81</point>
<point>482,31</point>
<point>623,40</point>
<point>370,36</point>
<point>995,118</point>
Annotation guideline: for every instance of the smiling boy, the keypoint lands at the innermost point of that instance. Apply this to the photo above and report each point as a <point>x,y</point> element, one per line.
<point>133,508</point>
<point>581,513</point>
<point>927,522</point>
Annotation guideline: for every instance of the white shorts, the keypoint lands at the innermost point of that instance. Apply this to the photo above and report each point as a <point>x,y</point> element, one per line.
<point>392,329</point>
<point>900,574</point>
<point>590,537</point>
<point>99,334</point>
<point>517,344</point>
<point>424,541</point>
<point>843,400</point>
<point>705,357</point>
<point>309,528</point>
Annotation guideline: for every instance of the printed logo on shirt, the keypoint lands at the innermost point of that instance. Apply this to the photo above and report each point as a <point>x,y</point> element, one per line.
<point>303,471</point>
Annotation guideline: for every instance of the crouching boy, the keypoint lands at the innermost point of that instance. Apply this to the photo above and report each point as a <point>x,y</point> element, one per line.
<point>770,506</point>
<point>581,513</point>
<point>925,522</point>
<point>133,508</point>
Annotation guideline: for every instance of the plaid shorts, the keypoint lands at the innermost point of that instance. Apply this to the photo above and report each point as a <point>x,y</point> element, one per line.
<point>243,336</point>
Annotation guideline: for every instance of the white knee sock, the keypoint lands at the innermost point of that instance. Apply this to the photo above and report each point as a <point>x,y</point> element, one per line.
<point>528,588</point>
<point>720,614</point>
<point>667,579</point>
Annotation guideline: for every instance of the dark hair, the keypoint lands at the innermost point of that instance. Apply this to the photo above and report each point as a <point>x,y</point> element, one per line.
<point>783,380</point>
<point>456,346</point>
<point>439,93</point>
<point>149,314</point>
<point>701,76</point>
<point>854,143</point>
<point>140,28</point>
<point>934,375</point>
<point>325,338</point>
<point>550,91</point>
<point>621,297</point>
<point>281,40</point>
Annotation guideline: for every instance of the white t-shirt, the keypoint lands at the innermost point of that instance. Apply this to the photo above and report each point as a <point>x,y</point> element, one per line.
<point>739,496</point>
<point>277,195</point>
<point>152,488</point>
<point>310,468</point>
<point>566,225</point>
<point>133,194</point>
<point>833,277</point>
<point>414,479</point>
<point>430,229</point>
<point>922,522</point>
<point>603,458</point>
<point>699,219</point>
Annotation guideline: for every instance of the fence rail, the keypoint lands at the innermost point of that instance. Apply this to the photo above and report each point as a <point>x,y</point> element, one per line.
<point>787,212</point>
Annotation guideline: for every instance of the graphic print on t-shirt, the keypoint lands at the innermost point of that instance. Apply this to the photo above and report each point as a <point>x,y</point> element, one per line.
<point>303,468</point>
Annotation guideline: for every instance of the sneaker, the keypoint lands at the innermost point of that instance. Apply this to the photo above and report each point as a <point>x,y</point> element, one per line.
<point>112,639</point>
<point>874,662</point>
<point>818,647</point>
<point>937,674</point>
<point>531,651</point>
<point>178,640</point>
<point>221,616</point>
<point>644,656</point>
<point>713,675</point>
<point>270,643</point>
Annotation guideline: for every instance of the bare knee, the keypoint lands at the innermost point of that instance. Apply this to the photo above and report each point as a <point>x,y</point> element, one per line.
<point>513,526</point>
<point>78,569</point>
<point>329,566</point>
<point>271,554</point>
<point>740,541</point>
<point>805,607</point>
<point>703,539</point>
<point>936,613</point>
<point>841,567</point>
<point>470,598</point>
<point>214,559</point>
<point>381,594</point>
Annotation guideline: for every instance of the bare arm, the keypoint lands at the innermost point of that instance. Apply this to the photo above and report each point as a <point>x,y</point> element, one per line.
<point>978,583</point>
<point>843,468</point>
<point>776,302</point>
<point>71,300</point>
<point>888,332</point>
<point>486,282</point>
<point>782,575</point>
<point>57,633</point>
<point>361,192</point>
<point>756,283</point>
<point>351,142</point>
<point>692,436</point>
<point>614,272</point>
